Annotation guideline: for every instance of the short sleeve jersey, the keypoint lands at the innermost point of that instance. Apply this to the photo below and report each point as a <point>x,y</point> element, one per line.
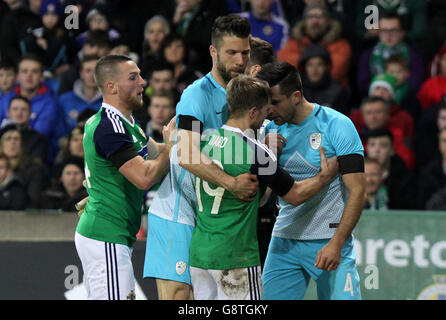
<point>225,236</point>
<point>318,217</point>
<point>204,100</point>
<point>113,211</point>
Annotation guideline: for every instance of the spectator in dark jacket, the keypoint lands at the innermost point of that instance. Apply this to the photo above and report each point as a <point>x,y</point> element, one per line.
<point>433,176</point>
<point>12,194</point>
<point>399,180</point>
<point>28,170</point>
<point>35,144</point>
<point>15,25</point>
<point>319,87</point>
<point>69,189</point>
<point>51,41</point>
<point>193,21</point>
<point>174,51</point>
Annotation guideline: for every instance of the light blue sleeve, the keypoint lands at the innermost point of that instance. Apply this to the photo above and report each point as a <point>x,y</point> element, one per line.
<point>344,137</point>
<point>192,103</point>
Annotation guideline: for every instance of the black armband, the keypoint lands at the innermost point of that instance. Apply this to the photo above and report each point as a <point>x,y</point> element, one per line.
<point>351,163</point>
<point>190,123</point>
<point>125,153</point>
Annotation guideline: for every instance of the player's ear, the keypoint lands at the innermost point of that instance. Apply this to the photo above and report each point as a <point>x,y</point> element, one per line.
<point>296,97</point>
<point>253,112</point>
<point>254,70</point>
<point>213,51</point>
<point>110,86</point>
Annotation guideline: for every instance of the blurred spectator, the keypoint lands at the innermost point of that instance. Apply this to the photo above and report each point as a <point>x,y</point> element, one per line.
<point>8,76</point>
<point>34,143</point>
<point>437,201</point>
<point>435,36</point>
<point>265,24</point>
<point>15,25</point>
<point>70,146</point>
<point>96,44</point>
<point>433,120</point>
<point>318,27</point>
<point>161,110</point>
<point>413,15</point>
<point>433,176</point>
<point>121,46</point>
<point>29,171</point>
<point>341,10</point>
<point>162,78</point>
<point>45,113</point>
<point>261,52</point>
<point>68,190</point>
<point>50,41</point>
<point>398,66</point>
<point>399,121</point>
<point>376,193</point>
<point>434,88</point>
<point>319,87</point>
<point>12,194</point>
<point>376,114</point>
<point>398,179</point>
<point>85,95</point>
<point>391,42</point>
<point>97,20</point>
<point>155,29</point>
<point>174,52</point>
<point>193,20</point>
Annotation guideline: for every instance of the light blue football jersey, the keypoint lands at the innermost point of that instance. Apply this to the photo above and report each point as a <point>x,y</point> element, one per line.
<point>318,217</point>
<point>204,100</point>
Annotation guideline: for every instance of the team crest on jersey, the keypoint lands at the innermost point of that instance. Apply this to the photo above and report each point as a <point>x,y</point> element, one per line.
<point>315,140</point>
<point>180,267</point>
<point>436,291</point>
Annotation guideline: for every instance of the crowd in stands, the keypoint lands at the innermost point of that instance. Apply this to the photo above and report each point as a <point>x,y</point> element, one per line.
<point>388,75</point>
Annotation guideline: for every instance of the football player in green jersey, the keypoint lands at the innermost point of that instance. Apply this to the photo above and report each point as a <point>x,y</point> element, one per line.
<point>224,254</point>
<point>117,173</point>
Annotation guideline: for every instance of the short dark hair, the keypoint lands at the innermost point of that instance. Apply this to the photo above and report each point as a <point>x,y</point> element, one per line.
<point>169,94</point>
<point>398,59</point>
<point>8,65</point>
<point>391,15</point>
<point>382,132</point>
<point>244,92</point>
<point>374,99</point>
<point>22,98</point>
<point>106,66</point>
<point>98,38</point>
<point>283,74</point>
<point>261,52</point>
<point>162,65</point>
<point>231,25</point>
<point>31,57</point>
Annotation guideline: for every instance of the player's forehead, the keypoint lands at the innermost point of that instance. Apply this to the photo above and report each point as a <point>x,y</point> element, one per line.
<point>128,68</point>
<point>228,42</point>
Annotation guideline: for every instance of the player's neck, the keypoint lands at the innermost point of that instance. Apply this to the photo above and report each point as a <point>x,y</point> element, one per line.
<point>303,111</point>
<point>127,113</point>
<point>239,123</point>
<point>218,78</point>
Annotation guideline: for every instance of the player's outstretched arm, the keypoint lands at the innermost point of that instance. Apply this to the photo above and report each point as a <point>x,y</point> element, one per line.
<point>190,157</point>
<point>305,189</point>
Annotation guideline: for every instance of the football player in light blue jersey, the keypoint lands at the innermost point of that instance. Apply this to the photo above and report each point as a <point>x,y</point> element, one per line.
<point>202,107</point>
<point>313,240</point>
